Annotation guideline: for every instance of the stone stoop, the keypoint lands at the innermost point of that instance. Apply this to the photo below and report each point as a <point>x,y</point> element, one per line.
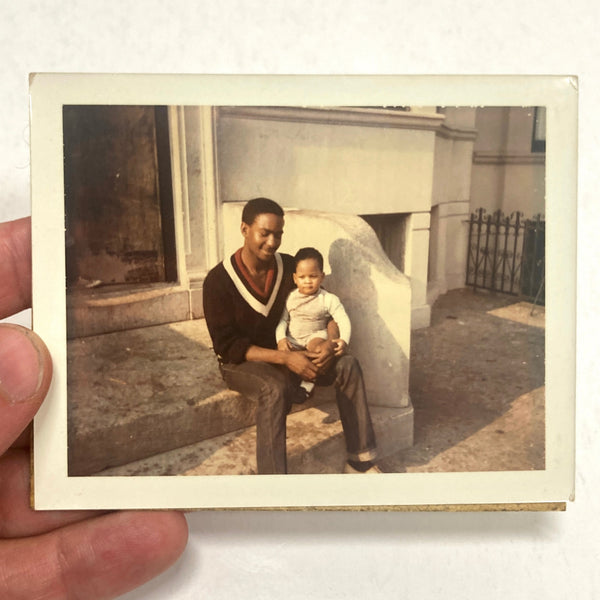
<point>167,427</point>
<point>315,445</point>
<point>139,393</point>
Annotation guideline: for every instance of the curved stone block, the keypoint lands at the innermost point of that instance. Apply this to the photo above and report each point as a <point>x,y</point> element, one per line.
<point>375,294</point>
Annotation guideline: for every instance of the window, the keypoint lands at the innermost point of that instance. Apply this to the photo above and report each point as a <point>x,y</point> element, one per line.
<point>538,140</point>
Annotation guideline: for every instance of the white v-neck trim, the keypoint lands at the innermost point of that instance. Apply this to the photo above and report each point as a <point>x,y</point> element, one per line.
<point>257,305</point>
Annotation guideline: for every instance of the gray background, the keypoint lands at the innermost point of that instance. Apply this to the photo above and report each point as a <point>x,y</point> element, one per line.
<point>347,555</point>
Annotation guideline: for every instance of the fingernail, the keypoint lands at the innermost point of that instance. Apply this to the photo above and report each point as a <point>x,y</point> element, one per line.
<point>20,364</point>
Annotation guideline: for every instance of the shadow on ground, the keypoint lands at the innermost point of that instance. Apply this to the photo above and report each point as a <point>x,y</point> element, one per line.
<point>476,384</point>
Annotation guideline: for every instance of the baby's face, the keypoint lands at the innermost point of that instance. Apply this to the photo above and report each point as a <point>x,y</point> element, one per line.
<point>308,276</point>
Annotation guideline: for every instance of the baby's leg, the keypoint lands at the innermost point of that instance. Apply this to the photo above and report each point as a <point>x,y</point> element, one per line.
<point>314,344</point>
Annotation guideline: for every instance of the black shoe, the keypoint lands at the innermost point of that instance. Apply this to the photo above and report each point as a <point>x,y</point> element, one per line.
<point>300,395</point>
<point>355,468</point>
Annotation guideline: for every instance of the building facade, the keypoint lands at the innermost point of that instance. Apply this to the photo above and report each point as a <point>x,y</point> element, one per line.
<point>148,191</point>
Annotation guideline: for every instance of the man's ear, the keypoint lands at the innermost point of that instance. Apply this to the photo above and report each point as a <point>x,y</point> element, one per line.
<point>244,228</point>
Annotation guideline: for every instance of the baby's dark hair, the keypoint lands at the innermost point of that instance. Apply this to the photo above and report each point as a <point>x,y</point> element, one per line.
<point>306,253</point>
<point>260,206</point>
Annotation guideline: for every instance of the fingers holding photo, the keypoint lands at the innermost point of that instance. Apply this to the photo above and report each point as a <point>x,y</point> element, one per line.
<point>15,266</point>
<point>101,557</point>
<point>25,375</point>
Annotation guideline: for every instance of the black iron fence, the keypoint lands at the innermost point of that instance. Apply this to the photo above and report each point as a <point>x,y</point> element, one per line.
<point>507,254</point>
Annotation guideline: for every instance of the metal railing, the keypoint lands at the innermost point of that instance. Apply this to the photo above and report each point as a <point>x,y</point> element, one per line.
<point>507,254</point>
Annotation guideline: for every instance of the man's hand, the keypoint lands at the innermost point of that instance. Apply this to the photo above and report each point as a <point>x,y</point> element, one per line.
<point>58,554</point>
<point>299,362</point>
<point>302,363</point>
<point>324,355</point>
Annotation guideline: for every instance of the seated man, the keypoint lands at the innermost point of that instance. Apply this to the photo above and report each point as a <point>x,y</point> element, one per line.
<point>244,298</point>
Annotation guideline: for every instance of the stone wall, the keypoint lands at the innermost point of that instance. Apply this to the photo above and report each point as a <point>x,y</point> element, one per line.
<point>507,174</point>
<point>451,201</point>
<point>354,161</point>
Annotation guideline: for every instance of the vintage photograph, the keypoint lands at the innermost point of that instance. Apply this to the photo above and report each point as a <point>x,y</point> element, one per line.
<point>305,289</point>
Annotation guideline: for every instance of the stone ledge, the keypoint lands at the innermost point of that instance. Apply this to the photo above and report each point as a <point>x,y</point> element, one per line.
<point>508,158</point>
<point>93,313</point>
<point>315,444</point>
<point>142,392</point>
<point>146,435</point>
<point>137,393</point>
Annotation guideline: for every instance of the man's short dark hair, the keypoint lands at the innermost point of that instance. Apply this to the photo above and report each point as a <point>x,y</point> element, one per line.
<point>308,253</point>
<point>260,206</point>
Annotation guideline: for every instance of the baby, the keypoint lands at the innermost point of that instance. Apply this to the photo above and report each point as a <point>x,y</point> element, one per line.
<point>308,309</point>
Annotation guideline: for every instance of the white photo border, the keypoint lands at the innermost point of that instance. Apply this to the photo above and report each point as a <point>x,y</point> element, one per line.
<point>54,489</point>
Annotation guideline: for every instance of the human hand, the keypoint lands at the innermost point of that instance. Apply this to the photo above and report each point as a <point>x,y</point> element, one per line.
<point>324,355</point>
<point>340,347</point>
<point>302,364</point>
<point>58,554</point>
<point>284,345</point>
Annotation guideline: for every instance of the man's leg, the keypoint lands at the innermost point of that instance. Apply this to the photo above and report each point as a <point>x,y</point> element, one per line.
<point>351,398</point>
<point>268,386</point>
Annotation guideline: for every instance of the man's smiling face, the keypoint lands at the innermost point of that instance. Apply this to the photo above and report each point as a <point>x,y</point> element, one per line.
<point>263,237</point>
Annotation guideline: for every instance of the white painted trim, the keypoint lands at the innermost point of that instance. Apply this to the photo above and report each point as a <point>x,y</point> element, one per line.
<point>210,186</point>
<point>185,196</point>
<point>179,180</point>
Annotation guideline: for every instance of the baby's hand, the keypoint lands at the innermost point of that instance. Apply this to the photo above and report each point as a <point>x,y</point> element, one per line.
<point>284,345</point>
<point>340,347</point>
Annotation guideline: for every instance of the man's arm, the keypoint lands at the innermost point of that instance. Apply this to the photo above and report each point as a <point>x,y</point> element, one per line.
<point>297,362</point>
<point>228,342</point>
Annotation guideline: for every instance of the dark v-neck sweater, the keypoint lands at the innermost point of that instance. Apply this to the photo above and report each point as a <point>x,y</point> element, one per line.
<point>238,314</point>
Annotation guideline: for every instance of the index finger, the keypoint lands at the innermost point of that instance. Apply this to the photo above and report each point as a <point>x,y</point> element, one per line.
<point>15,266</point>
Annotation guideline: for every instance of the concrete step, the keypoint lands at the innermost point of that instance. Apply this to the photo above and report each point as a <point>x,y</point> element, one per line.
<point>141,392</point>
<point>315,444</point>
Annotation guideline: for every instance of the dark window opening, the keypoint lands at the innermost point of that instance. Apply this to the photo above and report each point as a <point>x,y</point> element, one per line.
<point>391,232</point>
<point>538,140</point>
<point>118,196</point>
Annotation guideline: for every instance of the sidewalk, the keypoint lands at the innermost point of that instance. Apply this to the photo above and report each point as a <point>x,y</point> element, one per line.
<point>477,387</point>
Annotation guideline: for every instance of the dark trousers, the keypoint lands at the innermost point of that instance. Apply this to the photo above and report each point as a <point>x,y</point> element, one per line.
<point>271,387</point>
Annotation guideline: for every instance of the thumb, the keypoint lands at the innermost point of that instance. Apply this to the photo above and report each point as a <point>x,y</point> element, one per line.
<point>25,375</point>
